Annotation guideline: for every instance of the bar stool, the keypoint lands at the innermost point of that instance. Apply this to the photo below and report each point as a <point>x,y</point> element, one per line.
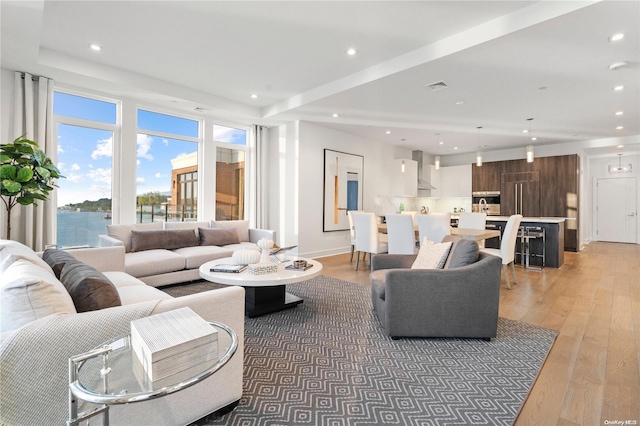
<point>527,234</point>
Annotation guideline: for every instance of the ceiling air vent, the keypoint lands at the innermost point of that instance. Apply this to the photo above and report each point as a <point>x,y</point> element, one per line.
<point>437,86</point>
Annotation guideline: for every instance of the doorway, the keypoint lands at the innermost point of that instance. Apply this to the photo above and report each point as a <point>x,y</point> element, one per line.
<point>616,210</point>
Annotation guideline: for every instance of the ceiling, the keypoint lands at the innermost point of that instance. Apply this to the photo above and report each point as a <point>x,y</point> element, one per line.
<point>503,62</point>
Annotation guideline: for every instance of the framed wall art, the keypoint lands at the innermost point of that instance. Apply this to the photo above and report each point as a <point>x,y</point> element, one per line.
<point>343,181</point>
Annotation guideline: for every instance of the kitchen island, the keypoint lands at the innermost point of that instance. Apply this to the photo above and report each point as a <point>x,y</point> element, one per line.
<point>554,238</point>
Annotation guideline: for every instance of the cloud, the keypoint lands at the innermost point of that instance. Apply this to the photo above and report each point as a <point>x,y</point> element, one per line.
<point>100,175</point>
<point>144,146</point>
<point>75,177</point>
<point>60,149</point>
<point>165,142</point>
<point>104,148</point>
<point>140,181</point>
<point>75,166</point>
<point>160,175</point>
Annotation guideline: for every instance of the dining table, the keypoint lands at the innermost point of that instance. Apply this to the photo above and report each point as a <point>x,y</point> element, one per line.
<point>465,233</point>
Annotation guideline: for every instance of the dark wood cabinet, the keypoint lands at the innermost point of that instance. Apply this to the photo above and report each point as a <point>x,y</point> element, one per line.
<point>486,177</point>
<point>553,193</point>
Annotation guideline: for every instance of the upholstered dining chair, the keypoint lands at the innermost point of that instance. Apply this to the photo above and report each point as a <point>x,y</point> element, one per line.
<point>507,248</point>
<point>413,214</point>
<point>401,234</point>
<point>367,236</point>
<point>470,220</point>
<point>352,232</point>
<point>434,226</point>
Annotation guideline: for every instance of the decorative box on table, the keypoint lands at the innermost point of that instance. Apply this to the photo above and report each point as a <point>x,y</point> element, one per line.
<point>173,341</point>
<point>263,268</point>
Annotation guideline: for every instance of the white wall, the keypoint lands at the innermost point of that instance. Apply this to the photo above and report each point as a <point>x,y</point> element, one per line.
<point>296,183</point>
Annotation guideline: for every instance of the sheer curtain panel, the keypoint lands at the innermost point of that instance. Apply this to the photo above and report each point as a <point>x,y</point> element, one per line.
<point>33,110</point>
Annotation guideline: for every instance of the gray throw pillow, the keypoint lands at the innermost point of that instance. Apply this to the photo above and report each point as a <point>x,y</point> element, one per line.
<point>218,236</point>
<point>89,289</point>
<point>56,259</point>
<point>463,252</point>
<point>172,239</point>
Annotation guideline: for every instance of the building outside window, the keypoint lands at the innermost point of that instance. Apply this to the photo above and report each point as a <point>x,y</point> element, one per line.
<point>230,172</point>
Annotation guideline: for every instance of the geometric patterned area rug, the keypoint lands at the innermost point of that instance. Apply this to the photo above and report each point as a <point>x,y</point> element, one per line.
<point>329,362</point>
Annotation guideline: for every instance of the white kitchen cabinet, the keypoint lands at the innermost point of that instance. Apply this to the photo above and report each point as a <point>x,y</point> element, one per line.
<point>405,183</point>
<point>451,181</point>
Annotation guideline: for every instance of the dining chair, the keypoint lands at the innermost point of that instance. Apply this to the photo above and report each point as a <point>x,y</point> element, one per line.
<point>507,250</point>
<point>434,226</point>
<point>469,220</point>
<point>401,234</point>
<point>413,214</point>
<point>352,232</point>
<point>367,236</point>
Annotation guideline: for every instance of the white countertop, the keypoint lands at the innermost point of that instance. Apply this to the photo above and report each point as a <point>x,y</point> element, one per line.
<point>529,219</point>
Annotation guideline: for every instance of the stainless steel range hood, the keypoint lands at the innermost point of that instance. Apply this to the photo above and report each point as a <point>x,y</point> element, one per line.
<point>423,178</point>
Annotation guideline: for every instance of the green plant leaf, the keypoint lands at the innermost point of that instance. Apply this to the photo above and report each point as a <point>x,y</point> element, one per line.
<point>26,200</point>
<point>24,175</point>
<point>4,158</point>
<point>45,173</point>
<point>11,186</point>
<point>8,171</point>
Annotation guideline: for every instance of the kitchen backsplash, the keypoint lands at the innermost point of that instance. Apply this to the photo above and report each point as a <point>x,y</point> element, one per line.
<point>432,204</point>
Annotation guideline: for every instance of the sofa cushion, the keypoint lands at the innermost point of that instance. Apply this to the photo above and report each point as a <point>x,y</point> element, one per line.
<point>153,262</point>
<point>218,236</point>
<point>136,294</point>
<point>11,251</point>
<point>123,232</point>
<point>241,226</point>
<point>56,259</point>
<point>149,240</point>
<point>168,226</point>
<point>29,292</point>
<point>241,246</point>
<point>90,290</point>
<point>431,255</point>
<point>122,279</point>
<point>196,256</point>
<point>463,252</point>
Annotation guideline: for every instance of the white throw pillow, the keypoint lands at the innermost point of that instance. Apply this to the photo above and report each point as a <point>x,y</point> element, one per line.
<point>432,255</point>
<point>11,251</point>
<point>28,292</point>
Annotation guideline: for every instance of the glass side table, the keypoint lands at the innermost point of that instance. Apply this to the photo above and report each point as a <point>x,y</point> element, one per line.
<point>111,375</point>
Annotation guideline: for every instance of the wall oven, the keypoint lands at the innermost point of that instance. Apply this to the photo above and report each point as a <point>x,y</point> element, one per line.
<point>486,202</point>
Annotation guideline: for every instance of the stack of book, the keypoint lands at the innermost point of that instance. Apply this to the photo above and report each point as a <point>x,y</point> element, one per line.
<point>173,341</point>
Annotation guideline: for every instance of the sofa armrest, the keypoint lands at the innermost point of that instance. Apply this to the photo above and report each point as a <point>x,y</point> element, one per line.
<point>392,261</point>
<point>107,241</point>
<point>256,234</point>
<point>102,258</point>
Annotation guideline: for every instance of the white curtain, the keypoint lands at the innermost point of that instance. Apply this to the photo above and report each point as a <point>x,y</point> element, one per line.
<point>261,134</point>
<point>33,110</point>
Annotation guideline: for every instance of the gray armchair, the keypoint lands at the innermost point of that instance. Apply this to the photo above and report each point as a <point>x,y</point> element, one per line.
<point>457,302</point>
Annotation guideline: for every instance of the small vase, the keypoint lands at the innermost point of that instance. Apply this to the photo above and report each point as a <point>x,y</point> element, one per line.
<point>265,245</point>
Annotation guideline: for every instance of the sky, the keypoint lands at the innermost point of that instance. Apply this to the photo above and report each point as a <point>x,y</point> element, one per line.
<point>85,154</point>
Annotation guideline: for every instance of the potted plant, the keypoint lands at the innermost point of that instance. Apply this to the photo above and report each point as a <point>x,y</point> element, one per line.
<point>26,175</point>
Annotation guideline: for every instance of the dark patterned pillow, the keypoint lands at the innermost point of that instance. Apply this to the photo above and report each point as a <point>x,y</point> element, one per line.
<point>56,259</point>
<point>89,289</point>
<point>162,239</point>
<point>218,236</point>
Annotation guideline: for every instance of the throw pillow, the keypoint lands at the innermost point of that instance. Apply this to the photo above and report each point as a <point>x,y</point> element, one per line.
<point>431,255</point>
<point>463,252</point>
<point>89,289</point>
<point>56,259</point>
<point>123,232</point>
<point>242,226</point>
<point>218,237</point>
<point>28,293</point>
<point>12,251</point>
<point>174,239</point>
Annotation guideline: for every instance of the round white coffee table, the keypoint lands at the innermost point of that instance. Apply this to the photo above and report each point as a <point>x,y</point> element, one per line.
<point>264,293</point>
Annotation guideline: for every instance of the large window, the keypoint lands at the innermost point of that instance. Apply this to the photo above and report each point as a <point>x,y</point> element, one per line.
<point>167,175</point>
<point>86,129</point>
<point>230,173</point>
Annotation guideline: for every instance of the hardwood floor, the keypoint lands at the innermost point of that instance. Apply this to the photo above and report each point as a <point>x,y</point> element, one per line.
<point>591,376</point>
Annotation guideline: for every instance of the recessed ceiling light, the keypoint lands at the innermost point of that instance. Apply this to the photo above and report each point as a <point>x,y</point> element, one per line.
<point>455,147</point>
<point>616,37</point>
<point>441,143</point>
<point>618,65</point>
<point>388,132</point>
<point>525,131</point>
<point>254,96</point>
<point>459,103</point>
<point>95,47</point>
<point>618,88</point>
<point>351,51</point>
<point>619,112</point>
<point>335,115</point>
<point>620,146</point>
<point>534,139</point>
<point>619,128</point>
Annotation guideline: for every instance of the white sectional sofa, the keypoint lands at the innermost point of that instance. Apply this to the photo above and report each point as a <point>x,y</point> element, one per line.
<point>158,264</point>
<point>41,329</point>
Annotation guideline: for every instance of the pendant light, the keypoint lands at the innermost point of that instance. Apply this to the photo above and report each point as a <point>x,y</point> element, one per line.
<point>530,146</point>
<point>402,166</point>
<point>437,156</point>
<point>620,168</point>
<point>479,153</point>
